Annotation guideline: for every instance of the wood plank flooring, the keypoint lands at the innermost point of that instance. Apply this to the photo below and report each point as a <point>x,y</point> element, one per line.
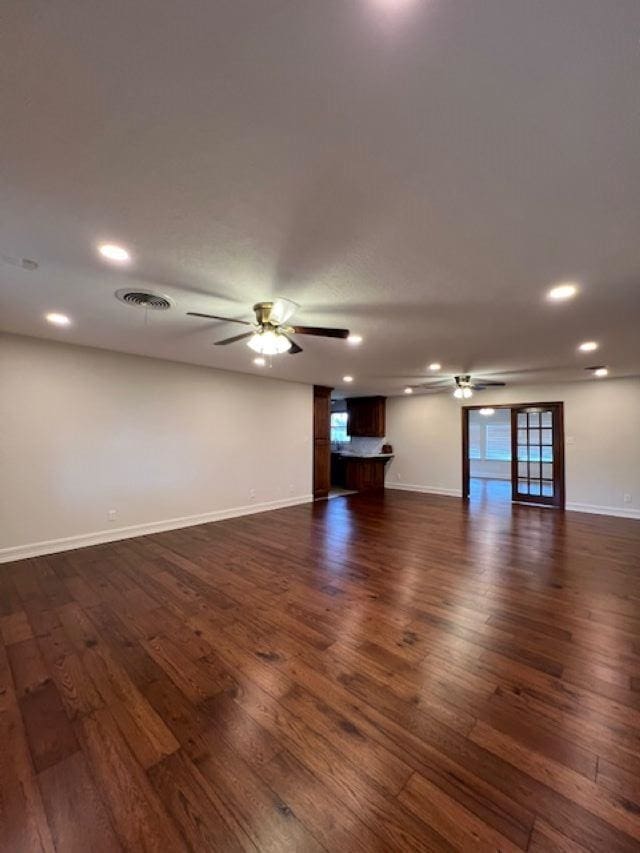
<point>373,673</point>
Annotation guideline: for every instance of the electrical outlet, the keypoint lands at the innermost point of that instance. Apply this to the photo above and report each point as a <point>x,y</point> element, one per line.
<point>627,499</point>
<point>291,488</point>
<point>112,514</point>
<point>398,476</point>
<point>252,494</point>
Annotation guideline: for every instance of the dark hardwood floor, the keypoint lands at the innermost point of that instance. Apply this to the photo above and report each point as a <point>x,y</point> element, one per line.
<point>379,672</point>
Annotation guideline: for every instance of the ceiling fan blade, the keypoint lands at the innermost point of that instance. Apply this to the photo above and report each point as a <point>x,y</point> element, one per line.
<point>488,384</point>
<point>234,339</point>
<point>282,310</point>
<point>295,349</point>
<point>445,381</point>
<point>321,332</point>
<point>214,317</point>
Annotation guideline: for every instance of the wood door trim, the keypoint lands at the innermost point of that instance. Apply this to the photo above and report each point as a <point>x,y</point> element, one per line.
<point>558,449</point>
<point>511,405</point>
<point>465,453</point>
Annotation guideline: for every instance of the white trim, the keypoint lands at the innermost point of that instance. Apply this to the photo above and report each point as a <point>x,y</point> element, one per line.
<point>53,546</point>
<point>620,512</point>
<point>429,490</point>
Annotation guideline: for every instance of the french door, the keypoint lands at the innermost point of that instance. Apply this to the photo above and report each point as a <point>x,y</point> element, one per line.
<point>537,454</point>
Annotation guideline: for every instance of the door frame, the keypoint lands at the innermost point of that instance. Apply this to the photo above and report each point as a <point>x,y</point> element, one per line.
<point>558,447</point>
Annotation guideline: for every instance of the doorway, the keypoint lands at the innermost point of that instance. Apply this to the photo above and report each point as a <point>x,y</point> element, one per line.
<point>490,454</point>
<point>514,453</point>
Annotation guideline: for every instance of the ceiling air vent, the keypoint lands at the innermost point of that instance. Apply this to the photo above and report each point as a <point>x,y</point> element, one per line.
<point>144,299</point>
<point>24,263</point>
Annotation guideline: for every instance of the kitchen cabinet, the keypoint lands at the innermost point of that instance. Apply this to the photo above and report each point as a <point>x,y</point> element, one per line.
<point>367,416</point>
<point>364,472</point>
<point>337,470</point>
<point>321,441</point>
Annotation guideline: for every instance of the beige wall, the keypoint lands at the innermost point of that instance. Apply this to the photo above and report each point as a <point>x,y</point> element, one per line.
<point>602,435</point>
<point>85,431</point>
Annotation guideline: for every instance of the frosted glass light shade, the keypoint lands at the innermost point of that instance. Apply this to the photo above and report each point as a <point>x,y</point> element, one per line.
<point>269,343</point>
<point>458,393</point>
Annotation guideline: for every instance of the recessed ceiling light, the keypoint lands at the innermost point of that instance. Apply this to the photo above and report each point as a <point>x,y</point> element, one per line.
<point>112,252</point>
<point>487,411</point>
<point>601,371</point>
<point>408,390</point>
<point>435,365</point>
<point>588,346</point>
<point>565,290</point>
<point>57,319</point>
<point>354,340</point>
<point>260,361</point>
<point>347,378</point>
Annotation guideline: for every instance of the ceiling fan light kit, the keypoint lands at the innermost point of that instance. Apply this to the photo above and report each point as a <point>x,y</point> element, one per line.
<point>269,342</point>
<point>463,390</point>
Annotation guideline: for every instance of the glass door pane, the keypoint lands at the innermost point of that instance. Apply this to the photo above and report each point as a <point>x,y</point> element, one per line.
<point>534,438</point>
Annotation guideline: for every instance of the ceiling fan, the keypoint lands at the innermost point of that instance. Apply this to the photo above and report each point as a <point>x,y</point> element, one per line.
<point>270,334</point>
<point>464,385</point>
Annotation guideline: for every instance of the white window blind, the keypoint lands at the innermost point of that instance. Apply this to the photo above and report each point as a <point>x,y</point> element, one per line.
<point>475,441</point>
<point>498,442</point>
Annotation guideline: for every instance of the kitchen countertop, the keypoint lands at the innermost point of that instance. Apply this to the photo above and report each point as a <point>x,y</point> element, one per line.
<point>365,456</point>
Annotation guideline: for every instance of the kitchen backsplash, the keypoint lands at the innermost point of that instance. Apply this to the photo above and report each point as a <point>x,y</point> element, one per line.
<point>365,446</point>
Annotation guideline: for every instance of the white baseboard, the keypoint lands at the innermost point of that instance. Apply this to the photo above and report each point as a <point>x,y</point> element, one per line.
<point>428,490</point>
<point>53,546</point>
<point>620,512</point>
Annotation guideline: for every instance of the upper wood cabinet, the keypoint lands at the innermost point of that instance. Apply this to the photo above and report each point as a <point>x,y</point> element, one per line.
<point>367,416</point>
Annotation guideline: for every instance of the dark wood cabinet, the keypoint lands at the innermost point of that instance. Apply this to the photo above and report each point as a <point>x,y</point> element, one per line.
<point>321,441</point>
<point>337,470</point>
<point>367,416</point>
<point>361,473</point>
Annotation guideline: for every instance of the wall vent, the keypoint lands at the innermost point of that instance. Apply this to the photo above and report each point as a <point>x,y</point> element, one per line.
<point>144,299</point>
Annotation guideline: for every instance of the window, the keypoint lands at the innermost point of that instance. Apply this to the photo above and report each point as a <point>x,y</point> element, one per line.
<point>498,442</point>
<point>490,442</point>
<point>475,441</point>
<point>339,427</point>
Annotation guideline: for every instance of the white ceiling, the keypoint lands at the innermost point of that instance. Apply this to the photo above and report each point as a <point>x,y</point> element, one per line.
<point>419,171</point>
